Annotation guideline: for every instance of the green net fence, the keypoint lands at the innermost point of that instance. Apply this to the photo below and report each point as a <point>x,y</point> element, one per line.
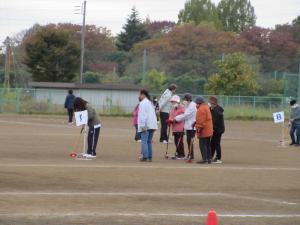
<point>47,101</point>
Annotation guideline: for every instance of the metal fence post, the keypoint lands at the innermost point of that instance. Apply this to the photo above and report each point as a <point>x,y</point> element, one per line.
<point>254,106</point>
<point>1,100</point>
<point>17,100</point>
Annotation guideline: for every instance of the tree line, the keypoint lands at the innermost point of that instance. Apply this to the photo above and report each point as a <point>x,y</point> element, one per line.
<point>213,49</point>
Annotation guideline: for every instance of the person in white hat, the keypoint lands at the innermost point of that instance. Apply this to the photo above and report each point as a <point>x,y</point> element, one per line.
<point>177,126</point>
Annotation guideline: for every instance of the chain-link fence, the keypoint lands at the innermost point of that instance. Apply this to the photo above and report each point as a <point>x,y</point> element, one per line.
<point>47,101</point>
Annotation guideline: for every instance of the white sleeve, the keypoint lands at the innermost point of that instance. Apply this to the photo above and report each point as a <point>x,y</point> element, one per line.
<point>164,99</point>
<point>188,113</point>
<point>142,116</point>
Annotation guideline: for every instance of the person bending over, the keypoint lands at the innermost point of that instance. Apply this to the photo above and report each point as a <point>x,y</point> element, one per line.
<point>94,125</point>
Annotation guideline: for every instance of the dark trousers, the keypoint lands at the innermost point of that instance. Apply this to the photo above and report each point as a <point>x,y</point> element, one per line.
<point>93,137</point>
<point>178,140</point>
<point>164,126</point>
<point>137,136</point>
<point>292,134</point>
<point>190,135</point>
<point>204,144</point>
<point>70,114</point>
<point>215,145</point>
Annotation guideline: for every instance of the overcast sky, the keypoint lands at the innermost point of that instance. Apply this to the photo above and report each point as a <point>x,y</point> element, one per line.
<point>17,15</point>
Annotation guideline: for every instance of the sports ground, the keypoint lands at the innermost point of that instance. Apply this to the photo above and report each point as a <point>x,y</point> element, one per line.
<point>259,183</point>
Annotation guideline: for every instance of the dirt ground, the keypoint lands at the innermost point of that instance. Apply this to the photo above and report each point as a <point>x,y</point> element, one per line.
<point>258,184</point>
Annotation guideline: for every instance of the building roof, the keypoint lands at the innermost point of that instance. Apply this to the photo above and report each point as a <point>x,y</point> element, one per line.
<point>59,85</point>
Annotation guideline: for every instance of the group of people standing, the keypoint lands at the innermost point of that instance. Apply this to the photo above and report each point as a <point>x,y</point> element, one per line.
<point>190,118</point>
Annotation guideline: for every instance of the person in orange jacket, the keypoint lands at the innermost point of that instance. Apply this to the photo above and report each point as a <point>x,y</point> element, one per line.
<point>204,129</point>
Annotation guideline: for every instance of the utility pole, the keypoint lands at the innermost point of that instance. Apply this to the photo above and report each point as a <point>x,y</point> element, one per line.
<point>6,83</point>
<point>299,82</point>
<point>144,63</point>
<point>82,41</point>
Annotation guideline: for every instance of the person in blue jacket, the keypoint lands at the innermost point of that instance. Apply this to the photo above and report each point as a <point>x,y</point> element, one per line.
<point>69,105</point>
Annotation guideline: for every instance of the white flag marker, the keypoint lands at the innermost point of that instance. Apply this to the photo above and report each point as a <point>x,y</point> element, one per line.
<point>278,117</point>
<point>81,118</point>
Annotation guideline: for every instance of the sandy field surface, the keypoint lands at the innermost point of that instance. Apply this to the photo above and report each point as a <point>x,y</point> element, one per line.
<point>258,184</point>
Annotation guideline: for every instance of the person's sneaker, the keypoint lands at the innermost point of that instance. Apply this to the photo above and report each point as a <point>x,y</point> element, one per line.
<point>202,162</point>
<point>93,156</point>
<point>143,160</point>
<point>139,141</point>
<point>165,142</point>
<point>217,161</point>
<point>89,156</point>
<point>150,160</point>
<point>291,144</point>
<point>180,158</point>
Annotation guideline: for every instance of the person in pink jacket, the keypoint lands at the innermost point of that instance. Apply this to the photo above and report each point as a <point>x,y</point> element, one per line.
<point>177,127</point>
<point>135,123</point>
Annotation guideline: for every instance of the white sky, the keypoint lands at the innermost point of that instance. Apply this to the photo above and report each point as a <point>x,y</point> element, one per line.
<point>17,15</point>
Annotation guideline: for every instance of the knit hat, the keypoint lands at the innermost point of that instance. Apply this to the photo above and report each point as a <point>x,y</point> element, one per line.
<point>199,100</point>
<point>175,98</point>
<point>188,97</point>
<point>213,100</point>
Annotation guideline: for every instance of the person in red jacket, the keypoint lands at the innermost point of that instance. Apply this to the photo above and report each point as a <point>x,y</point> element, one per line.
<point>177,127</point>
<point>204,129</point>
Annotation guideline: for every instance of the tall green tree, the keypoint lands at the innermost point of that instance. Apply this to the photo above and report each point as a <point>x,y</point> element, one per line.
<point>155,81</point>
<point>51,55</point>
<point>134,32</point>
<point>234,76</point>
<point>200,12</point>
<point>236,15</point>
<point>296,21</point>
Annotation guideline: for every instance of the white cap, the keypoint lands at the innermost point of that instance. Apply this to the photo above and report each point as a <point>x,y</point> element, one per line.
<point>175,98</point>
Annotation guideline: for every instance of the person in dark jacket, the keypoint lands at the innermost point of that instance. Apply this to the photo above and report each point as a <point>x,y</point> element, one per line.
<point>69,105</point>
<point>218,127</point>
<point>294,123</point>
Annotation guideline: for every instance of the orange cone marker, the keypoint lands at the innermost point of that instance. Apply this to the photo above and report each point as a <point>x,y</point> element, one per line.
<point>212,218</point>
